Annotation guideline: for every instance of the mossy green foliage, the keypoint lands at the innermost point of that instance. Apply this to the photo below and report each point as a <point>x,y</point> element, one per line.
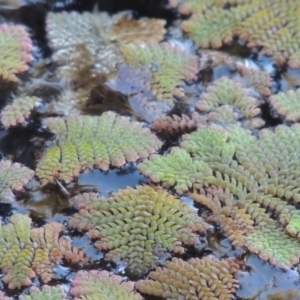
<point>26,252</point>
<point>263,173</point>
<point>268,24</point>
<point>13,177</point>
<point>206,278</point>
<point>176,170</point>
<point>19,110</point>
<point>169,66</point>
<point>133,224</point>
<point>287,105</point>
<point>86,142</point>
<point>226,91</point>
<point>100,285</point>
<point>15,47</point>
<point>46,293</point>
<point>69,31</point>
<point>270,243</point>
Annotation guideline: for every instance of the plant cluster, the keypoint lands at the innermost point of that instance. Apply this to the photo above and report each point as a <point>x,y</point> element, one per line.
<point>134,224</point>
<point>206,278</point>
<point>19,110</point>
<point>226,101</point>
<point>15,48</point>
<point>85,142</point>
<point>262,173</point>
<point>13,177</point>
<point>169,67</point>
<point>287,105</point>
<point>270,25</point>
<point>103,66</point>
<point>27,252</point>
<point>92,284</point>
<point>46,293</point>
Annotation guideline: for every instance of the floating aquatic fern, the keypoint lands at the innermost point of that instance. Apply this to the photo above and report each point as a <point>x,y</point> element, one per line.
<point>225,91</point>
<point>133,223</point>
<point>287,105</point>
<point>92,284</point>
<point>262,173</point>
<point>176,125</point>
<point>168,65</point>
<point>206,278</point>
<point>254,79</point>
<point>291,294</point>
<point>128,30</point>
<point>85,142</point>
<point>26,252</point>
<point>13,177</point>
<point>15,48</point>
<point>176,170</point>
<point>270,243</point>
<point>46,293</point>
<point>68,30</point>
<point>19,110</point>
<point>270,25</point>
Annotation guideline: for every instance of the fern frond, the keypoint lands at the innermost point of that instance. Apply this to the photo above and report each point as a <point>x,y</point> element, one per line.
<point>263,173</point>
<point>46,293</point>
<point>271,243</point>
<point>18,111</point>
<point>26,252</point>
<point>68,30</point>
<point>13,177</point>
<point>176,125</point>
<point>206,278</point>
<point>176,170</point>
<point>86,142</point>
<point>15,48</point>
<point>226,91</point>
<point>168,65</point>
<point>91,284</point>
<point>287,105</point>
<point>270,25</point>
<point>134,222</point>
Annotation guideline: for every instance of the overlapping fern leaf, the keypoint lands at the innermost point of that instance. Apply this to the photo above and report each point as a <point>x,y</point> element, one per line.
<point>205,278</point>
<point>46,293</point>
<point>262,173</point>
<point>15,48</point>
<point>13,177</point>
<point>287,105</point>
<point>19,110</point>
<point>135,224</point>
<point>226,91</point>
<point>26,253</point>
<point>92,284</point>
<point>85,142</point>
<point>169,67</point>
<point>268,24</point>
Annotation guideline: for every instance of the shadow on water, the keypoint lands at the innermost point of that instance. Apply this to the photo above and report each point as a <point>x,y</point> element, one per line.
<point>22,144</point>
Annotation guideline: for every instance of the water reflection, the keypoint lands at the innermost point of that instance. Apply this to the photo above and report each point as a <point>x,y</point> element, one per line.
<point>110,181</point>
<point>264,279</point>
